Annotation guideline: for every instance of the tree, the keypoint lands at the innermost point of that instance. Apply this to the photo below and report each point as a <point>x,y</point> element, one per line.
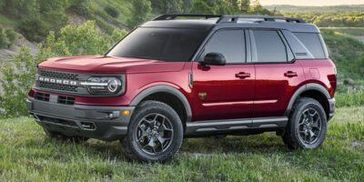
<point>140,12</point>
<point>167,6</point>
<point>244,5</point>
<point>201,6</point>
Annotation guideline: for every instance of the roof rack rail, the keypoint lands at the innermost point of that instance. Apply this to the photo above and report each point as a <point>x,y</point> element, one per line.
<point>233,18</point>
<point>257,19</point>
<point>174,16</point>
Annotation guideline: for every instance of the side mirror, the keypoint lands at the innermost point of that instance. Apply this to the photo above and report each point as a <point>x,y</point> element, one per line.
<point>214,59</point>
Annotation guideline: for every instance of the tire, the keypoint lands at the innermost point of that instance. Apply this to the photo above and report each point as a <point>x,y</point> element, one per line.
<point>59,136</point>
<point>155,133</point>
<point>307,125</point>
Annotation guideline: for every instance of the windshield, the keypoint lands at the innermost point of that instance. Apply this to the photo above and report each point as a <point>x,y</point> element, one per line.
<point>165,44</point>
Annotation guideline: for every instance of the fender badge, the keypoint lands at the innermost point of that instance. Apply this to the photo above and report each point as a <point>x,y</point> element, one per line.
<point>202,95</point>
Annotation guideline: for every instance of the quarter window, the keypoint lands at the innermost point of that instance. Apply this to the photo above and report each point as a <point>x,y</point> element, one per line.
<point>312,42</point>
<point>229,43</point>
<point>269,46</point>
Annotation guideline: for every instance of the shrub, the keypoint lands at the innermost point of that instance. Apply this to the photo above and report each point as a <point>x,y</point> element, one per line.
<point>80,7</point>
<point>140,12</point>
<point>112,11</point>
<point>34,29</point>
<point>17,79</point>
<point>18,74</point>
<point>7,37</point>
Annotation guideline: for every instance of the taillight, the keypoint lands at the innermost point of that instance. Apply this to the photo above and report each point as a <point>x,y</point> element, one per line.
<point>332,79</point>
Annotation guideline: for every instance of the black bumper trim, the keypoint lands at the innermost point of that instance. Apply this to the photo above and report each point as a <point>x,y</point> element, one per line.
<point>100,122</point>
<point>331,108</point>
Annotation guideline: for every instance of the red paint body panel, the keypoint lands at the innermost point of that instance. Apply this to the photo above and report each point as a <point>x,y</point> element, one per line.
<point>225,92</point>
<point>265,93</point>
<point>273,89</point>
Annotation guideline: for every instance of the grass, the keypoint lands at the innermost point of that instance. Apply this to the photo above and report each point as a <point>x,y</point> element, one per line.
<point>349,98</point>
<point>26,154</point>
<point>354,31</point>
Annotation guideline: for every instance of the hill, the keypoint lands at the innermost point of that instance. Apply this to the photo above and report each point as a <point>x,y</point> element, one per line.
<point>317,9</point>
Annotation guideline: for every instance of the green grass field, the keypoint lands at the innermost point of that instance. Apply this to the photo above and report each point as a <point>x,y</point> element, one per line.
<point>26,154</point>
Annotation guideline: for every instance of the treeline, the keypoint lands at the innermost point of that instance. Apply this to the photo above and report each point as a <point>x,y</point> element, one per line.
<point>332,19</point>
<point>144,8</point>
<point>36,18</point>
<point>316,9</point>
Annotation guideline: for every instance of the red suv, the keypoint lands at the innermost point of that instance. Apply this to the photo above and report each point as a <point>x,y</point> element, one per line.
<point>192,75</point>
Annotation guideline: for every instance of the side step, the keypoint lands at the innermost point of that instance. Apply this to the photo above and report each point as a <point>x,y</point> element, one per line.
<point>235,124</point>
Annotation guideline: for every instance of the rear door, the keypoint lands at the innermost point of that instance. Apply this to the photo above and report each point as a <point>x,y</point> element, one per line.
<point>224,92</point>
<point>277,74</point>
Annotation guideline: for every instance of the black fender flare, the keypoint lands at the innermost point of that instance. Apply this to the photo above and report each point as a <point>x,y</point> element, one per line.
<point>164,88</point>
<point>303,88</point>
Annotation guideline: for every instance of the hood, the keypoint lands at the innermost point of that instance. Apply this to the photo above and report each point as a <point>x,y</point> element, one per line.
<point>107,65</point>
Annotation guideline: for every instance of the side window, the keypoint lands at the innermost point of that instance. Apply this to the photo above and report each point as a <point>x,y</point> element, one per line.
<point>230,43</point>
<point>312,42</point>
<point>269,46</point>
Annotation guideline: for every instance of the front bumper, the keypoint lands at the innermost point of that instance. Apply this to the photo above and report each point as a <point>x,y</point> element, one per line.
<point>101,122</point>
<point>331,108</point>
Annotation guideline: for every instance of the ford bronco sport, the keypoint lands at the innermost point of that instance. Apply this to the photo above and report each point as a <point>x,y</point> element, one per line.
<point>192,75</point>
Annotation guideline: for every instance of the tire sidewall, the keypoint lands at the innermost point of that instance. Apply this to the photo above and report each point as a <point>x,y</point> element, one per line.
<point>303,105</point>
<point>150,107</point>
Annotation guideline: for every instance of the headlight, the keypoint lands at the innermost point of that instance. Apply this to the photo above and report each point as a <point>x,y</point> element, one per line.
<point>104,85</point>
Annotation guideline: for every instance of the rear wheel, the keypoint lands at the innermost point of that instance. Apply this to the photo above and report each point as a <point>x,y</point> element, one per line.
<point>59,136</point>
<point>307,125</point>
<point>155,133</point>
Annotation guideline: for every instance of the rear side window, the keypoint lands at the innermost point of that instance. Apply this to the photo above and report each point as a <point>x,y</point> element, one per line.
<point>269,46</point>
<point>313,43</point>
<point>230,43</point>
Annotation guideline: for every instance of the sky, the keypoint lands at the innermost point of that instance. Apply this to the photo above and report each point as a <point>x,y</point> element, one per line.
<point>311,2</point>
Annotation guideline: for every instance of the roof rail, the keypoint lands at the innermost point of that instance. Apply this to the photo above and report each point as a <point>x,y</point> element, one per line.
<point>233,18</point>
<point>257,19</point>
<point>174,16</point>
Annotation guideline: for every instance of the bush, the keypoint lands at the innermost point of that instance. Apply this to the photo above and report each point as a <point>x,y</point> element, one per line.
<point>80,7</point>
<point>18,74</point>
<point>7,37</point>
<point>140,12</point>
<point>112,11</point>
<point>17,79</point>
<point>34,29</point>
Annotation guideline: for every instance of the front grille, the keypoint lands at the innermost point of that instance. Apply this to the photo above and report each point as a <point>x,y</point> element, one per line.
<point>41,96</point>
<point>66,100</point>
<point>57,81</point>
<point>59,75</point>
<point>56,86</point>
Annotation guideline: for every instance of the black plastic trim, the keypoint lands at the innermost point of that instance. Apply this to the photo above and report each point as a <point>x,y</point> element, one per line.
<point>306,87</point>
<point>231,125</point>
<point>106,128</point>
<point>164,88</point>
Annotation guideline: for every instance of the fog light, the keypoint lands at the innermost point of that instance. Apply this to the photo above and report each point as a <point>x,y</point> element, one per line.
<point>114,114</point>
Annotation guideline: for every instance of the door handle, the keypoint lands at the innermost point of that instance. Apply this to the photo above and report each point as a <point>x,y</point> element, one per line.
<point>242,75</point>
<point>290,74</point>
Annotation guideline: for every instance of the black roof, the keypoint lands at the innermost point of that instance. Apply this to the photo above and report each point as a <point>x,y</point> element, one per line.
<point>205,22</point>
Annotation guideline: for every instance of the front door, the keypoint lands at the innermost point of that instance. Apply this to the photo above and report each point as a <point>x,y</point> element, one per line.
<point>224,92</point>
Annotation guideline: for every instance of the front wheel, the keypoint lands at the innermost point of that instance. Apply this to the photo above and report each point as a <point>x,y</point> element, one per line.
<point>307,125</point>
<point>155,133</point>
